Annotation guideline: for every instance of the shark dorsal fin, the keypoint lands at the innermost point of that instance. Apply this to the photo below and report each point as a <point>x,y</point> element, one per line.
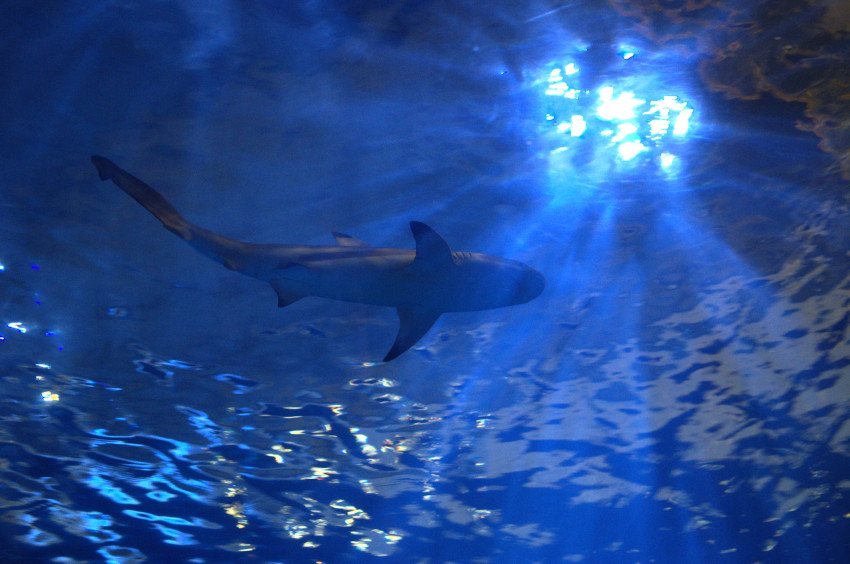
<point>344,240</point>
<point>412,325</point>
<point>432,251</point>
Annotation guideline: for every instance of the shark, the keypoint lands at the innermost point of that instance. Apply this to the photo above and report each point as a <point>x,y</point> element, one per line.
<point>421,284</point>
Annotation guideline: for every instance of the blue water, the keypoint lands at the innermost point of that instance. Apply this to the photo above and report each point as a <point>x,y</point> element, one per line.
<point>679,392</point>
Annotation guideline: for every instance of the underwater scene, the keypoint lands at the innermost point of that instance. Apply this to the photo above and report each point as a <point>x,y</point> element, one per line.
<point>407,281</point>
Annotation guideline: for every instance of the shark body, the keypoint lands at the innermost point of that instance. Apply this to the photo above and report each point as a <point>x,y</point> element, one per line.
<point>421,284</point>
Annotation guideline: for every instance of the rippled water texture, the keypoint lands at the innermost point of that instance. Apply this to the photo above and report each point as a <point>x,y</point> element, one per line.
<point>679,392</point>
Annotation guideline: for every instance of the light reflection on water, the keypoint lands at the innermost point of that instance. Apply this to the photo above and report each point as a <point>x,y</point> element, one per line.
<point>157,479</point>
<point>253,467</point>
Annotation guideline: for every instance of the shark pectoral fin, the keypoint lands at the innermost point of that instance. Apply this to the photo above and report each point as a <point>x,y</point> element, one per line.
<point>106,169</point>
<point>432,251</point>
<point>284,295</point>
<point>344,240</point>
<point>413,324</point>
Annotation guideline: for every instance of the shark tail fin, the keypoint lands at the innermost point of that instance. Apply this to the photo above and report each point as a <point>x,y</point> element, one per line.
<point>145,195</point>
<point>221,249</point>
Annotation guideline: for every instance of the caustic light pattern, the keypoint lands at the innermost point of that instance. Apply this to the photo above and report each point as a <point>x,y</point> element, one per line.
<point>627,123</point>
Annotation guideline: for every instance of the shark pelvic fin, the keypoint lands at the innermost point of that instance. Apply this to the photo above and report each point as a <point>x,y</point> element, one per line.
<point>432,251</point>
<point>413,324</point>
<point>284,296</point>
<point>344,240</point>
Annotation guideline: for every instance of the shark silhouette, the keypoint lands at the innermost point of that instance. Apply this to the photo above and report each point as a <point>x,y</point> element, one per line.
<point>420,284</point>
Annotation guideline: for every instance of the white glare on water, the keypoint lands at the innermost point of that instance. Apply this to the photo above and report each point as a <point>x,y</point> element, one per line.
<point>631,124</point>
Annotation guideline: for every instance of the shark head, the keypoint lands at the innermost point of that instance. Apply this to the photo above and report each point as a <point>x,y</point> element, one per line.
<point>462,281</point>
<point>487,282</point>
<point>529,284</point>
<point>442,281</point>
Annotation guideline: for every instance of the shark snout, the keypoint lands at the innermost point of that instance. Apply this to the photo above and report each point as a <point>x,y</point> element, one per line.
<point>531,285</point>
<point>526,285</point>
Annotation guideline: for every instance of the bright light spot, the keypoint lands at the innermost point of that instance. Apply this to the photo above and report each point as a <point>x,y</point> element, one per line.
<point>664,110</point>
<point>18,326</point>
<point>2,267</point>
<point>44,366</point>
<point>665,105</point>
<point>319,473</point>
<point>562,89</point>
<point>630,150</point>
<point>49,396</point>
<point>276,457</point>
<point>632,120</point>
<point>658,127</point>
<point>620,108</point>
<point>623,131</point>
<point>557,89</point>
<point>680,126</point>
<point>578,126</point>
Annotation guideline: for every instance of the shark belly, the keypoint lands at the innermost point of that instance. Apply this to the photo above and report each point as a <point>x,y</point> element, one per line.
<point>377,279</point>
